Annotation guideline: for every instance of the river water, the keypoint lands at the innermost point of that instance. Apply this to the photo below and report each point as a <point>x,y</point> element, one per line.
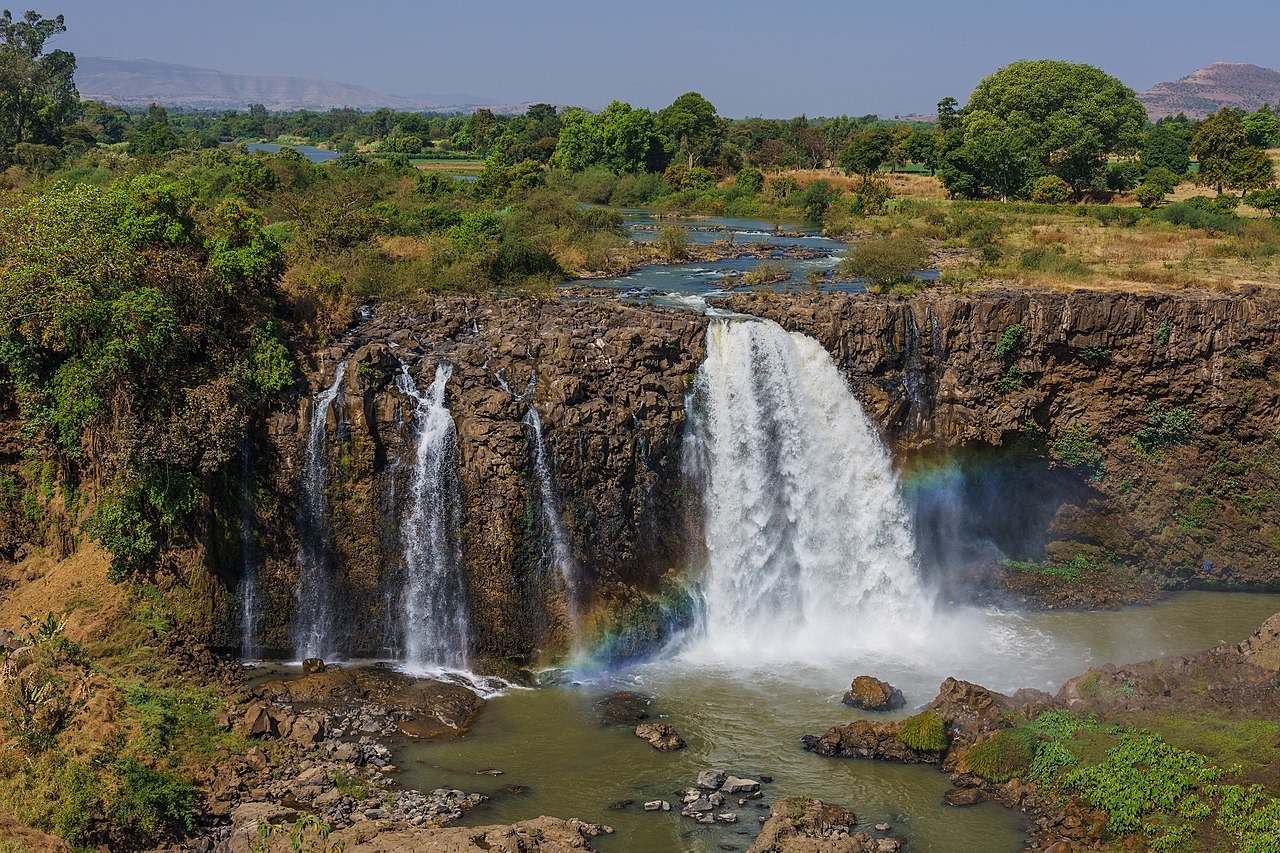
<point>747,716</point>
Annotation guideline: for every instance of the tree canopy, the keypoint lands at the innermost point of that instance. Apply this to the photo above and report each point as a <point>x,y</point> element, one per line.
<point>1067,118</point>
<point>37,89</point>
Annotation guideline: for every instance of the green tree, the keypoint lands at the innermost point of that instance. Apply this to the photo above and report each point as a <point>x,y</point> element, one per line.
<point>1050,189</point>
<point>1266,199</point>
<point>581,144</point>
<point>154,134</point>
<point>37,89</point>
<point>989,165</point>
<point>629,139</point>
<point>692,125</point>
<point>867,151</point>
<point>1262,128</point>
<point>1167,145</point>
<point>920,149</point>
<point>1219,139</point>
<point>1068,117</point>
<point>1249,169</point>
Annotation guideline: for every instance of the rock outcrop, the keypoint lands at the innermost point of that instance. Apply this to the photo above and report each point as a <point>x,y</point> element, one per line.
<point>608,382</point>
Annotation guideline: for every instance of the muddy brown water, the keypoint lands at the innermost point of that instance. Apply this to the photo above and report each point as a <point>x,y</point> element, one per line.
<point>746,715</point>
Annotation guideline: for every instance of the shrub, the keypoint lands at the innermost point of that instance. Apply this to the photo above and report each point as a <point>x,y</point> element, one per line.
<point>1006,755</point>
<point>885,261</point>
<point>672,242</point>
<point>149,802</point>
<point>750,180</point>
<point>1149,195</point>
<point>1266,199</point>
<point>1194,214</point>
<point>1123,175</point>
<point>1075,446</point>
<point>870,197</point>
<point>1161,178</point>
<point>1050,189</point>
<point>924,732</point>
<point>1052,260</point>
<point>1166,427</point>
<point>1010,343</point>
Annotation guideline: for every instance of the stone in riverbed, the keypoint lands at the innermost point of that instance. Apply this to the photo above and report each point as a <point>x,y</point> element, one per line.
<point>872,694</point>
<point>728,817</point>
<point>711,780</point>
<point>312,665</point>
<point>963,797</point>
<point>657,806</point>
<point>660,736</point>
<point>734,785</point>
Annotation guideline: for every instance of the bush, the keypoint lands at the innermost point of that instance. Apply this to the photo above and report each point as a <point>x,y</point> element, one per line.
<point>1162,178</point>
<point>1123,175</point>
<point>1053,260</point>
<point>1006,755</point>
<point>924,732</point>
<point>750,180</point>
<point>1266,199</point>
<point>1149,195</point>
<point>150,802</point>
<point>816,198</point>
<point>885,261</point>
<point>672,242</point>
<point>1195,214</point>
<point>870,197</point>
<point>1075,446</point>
<point>1010,343</point>
<point>1166,427</point>
<point>1050,189</point>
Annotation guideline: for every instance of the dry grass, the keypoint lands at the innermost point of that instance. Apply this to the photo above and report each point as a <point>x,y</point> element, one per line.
<point>904,185</point>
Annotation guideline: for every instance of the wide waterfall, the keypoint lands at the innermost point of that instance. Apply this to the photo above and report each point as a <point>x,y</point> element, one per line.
<point>434,627</point>
<point>809,547</point>
<point>313,623</point>
<point>555,540</point>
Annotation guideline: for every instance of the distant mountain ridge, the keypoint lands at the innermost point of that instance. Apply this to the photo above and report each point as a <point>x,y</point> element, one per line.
<point>140,82</point>
<point>1220,84</point>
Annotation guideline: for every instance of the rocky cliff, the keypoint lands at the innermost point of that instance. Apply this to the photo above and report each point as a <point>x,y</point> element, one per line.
<point>608,383</point>
<point>1156,415</point>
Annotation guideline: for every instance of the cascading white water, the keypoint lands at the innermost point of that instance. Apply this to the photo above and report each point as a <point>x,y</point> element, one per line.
<point>313,617</point>
<point>810,551</point>
<point>435,627</point>
<point>555,539</point>
<point>248,560</point>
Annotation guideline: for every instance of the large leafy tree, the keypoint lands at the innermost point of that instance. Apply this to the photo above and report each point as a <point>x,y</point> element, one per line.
<point>1222,149</point>
<point>867,151</point>
<point>37,89</point>
<point>1167,146</point>
<point>1068,117</point>
<point>692,125</point>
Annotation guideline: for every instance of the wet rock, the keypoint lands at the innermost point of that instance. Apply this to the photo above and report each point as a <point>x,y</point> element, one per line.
<point>871,694</point>
<point>711,780</point>
<point>619,805</point>
<point>805,825</point>
<point>660,736</point>
<point>625,708</point>
<point>657,806</point>
<point>963,797</point>
<point>734,785</point>
<point>727,817</point>
<point>313,665</point>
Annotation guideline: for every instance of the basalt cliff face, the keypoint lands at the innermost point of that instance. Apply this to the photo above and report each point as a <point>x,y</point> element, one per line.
<point>1111,437</point>
<point>608,382</point>
<point>1157,414</point>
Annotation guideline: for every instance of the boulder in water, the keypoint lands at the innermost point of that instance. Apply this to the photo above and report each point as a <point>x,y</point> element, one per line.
<point>711,780</point>
<point>872,694</point>
<point>734,785</point>
<point>311,665</point>
<point>805,824</point>
<point>660,736</point>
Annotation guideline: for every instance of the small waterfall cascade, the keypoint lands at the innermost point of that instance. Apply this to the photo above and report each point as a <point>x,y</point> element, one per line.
<point>248,559</point>
<point>809,546</point>
<point>313,623</point>
<point>435,626</point>
<point>555,541</point>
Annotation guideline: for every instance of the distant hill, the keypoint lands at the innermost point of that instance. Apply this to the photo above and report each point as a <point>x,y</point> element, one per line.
<point>1222,84</point>
<point>141,82</point>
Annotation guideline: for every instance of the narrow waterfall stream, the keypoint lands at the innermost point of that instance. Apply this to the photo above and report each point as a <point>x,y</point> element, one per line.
<point>556,550</point>
<point>809,546</point>
<point>248,558</point>
<point>434,620</point>
<point>313,623</point>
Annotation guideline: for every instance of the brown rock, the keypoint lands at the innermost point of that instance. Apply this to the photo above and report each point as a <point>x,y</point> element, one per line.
<point>660,736</point>
<point>872,694</point>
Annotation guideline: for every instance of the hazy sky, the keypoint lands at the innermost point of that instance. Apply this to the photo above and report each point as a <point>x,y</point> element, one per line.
<point>774,58</point>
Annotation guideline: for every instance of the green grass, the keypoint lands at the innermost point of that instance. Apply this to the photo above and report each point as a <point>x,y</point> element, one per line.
<point>924,732</point>
<point>1006,755</point>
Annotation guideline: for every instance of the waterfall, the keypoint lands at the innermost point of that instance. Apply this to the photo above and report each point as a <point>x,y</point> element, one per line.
<point>555,541</point>
<point>434,628</point>
<point>248,559</point>
<point>809,547</point>
<point>313,620</point>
